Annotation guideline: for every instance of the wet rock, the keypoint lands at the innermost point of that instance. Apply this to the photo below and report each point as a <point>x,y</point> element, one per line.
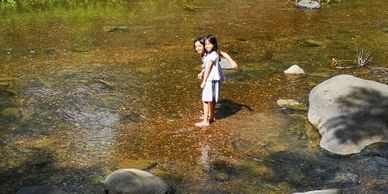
<point>326,191</point>
<point>128,181</point>
<point>40,190</point>
<point>350,113</point>
<point>291,104</point>
<point>308,4</point>
<point>295,69</point>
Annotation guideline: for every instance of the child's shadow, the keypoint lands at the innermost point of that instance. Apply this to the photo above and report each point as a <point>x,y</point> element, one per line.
<point>226,108</point>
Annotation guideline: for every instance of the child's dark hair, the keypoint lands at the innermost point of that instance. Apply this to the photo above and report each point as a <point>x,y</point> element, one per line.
<point>212,39</point>
<point>201,40</point>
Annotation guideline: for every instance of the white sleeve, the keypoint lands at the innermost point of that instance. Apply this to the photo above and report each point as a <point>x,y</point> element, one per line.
<point>212,56</point>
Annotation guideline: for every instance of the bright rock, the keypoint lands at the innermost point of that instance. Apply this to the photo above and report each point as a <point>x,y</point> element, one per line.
<point>134,181</point>
<point>350,113</point>
<point>295,69</point>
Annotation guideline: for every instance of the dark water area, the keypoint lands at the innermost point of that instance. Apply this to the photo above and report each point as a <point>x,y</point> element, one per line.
<point>90,87</point>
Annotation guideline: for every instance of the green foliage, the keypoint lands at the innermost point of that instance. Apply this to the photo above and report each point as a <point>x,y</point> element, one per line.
<point>100,181</point>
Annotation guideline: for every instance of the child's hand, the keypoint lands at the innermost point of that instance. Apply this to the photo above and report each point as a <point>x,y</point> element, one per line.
<point>200,75</point>
<point>203,85</point>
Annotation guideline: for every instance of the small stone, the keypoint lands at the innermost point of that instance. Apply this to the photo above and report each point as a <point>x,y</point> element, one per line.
<point>291,104</point>
<point>295,69</point>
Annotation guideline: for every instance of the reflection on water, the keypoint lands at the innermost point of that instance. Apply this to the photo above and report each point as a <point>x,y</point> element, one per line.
<point>204,158</point>
<point>89,88</point>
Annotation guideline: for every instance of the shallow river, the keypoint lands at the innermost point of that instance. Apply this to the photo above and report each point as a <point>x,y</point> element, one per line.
<point>87,88</point>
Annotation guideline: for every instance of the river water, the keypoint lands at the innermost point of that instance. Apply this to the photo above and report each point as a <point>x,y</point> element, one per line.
<point>90,87</point>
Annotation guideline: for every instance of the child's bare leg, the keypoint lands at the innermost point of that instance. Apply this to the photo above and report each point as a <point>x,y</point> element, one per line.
<point>205,121</point>
<point>206,110</point>
<point>212,106</point>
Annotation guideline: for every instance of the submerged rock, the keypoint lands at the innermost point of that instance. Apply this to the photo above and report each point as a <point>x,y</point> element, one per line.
<point>350,113</point>
<point>291,104</point>
<point>128,181</point>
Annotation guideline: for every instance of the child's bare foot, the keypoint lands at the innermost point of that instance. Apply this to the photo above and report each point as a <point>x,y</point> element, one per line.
<point>202,124</point>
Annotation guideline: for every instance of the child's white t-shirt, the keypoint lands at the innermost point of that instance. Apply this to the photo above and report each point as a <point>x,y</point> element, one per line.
<point>216,71</point>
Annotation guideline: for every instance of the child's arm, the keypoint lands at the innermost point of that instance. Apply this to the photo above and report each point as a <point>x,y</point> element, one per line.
<point>208,68</point>
<point>227,57</point>
<point>200,75</point>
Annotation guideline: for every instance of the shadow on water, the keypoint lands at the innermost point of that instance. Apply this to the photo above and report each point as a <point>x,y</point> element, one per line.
<point>368,116</point>
<point>289,171</point>
<point>40,170</point>
<point>308,173</point>
<point>226,108</point>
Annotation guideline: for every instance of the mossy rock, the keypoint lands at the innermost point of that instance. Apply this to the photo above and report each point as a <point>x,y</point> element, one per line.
<point>291,104</point>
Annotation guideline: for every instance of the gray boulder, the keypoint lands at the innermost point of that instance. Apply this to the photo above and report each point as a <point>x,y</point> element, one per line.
<point>350,113</point>
<point>128,181</point>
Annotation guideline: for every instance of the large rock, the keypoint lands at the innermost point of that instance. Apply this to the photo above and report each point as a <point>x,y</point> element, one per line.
<point>350,113</point>
<point>128,181</point>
